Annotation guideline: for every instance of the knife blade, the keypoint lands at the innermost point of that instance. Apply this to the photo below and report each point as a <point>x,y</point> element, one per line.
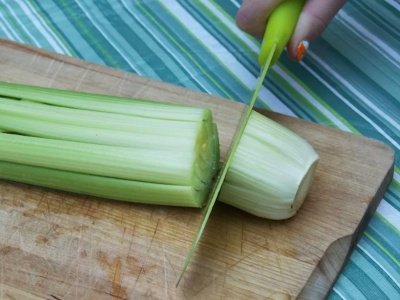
<point>280,26</point>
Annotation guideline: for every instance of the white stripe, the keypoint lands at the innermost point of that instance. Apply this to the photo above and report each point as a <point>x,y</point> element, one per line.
<point>323,64</point>
<point>389,213</point>
<point>109,39</point>
<point>27,32</point>
<point>380,266</point>
<point>394,3</point>
<point>224,56</point>
<point>339,293</point>
<point>369,38</point>
<point>232,26</point>
<point>7,28</point>
<point>312,100</point>
<point>396,176</point>
<point>364,99</point>
<point>168,49</point>
<point>38,22</point>
<point>235,3</point>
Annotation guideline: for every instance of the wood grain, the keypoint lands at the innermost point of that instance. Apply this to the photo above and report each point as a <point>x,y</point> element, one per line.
<point>57,245</point>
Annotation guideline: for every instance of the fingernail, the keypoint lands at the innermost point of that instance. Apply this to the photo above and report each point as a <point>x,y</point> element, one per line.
<point>302,50</point>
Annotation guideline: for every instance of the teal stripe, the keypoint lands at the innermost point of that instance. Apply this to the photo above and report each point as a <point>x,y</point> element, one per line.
<point>23,19</point>
<point>385,237</point>
<point>392,196</point>
<point>168,48</point>
<point>203,73</point>
<point>349,290</point>
<point>244,55</point>
<point>191,45</point>
<point>143,46</point>
<point>386,263</point>
<point>339,106</point>
<point>363,282</point>
<point>384,283</point>
<point>49,33</point>
<point>5,29</point>
<point>221,33</point>
<point>21,34</point>
<point>334,296</point>
<point>385,24</point>
<point>159,46</point>
<point>201,14</point>
<point>228,7</point>
<point>283,90</point>
<point>379,69</point>
<point>88,32</point>
<point>115,30</point>
<point>67,34</point>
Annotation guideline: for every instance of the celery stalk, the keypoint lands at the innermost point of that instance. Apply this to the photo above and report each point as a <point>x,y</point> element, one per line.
<point>104,187</point>
<point>101,103</point>
<point>99,120</point>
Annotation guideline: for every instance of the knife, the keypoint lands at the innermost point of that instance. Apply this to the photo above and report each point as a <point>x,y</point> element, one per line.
<point>279,29</point>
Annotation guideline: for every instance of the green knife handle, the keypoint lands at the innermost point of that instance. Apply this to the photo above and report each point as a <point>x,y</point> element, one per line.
<point>280,27</point>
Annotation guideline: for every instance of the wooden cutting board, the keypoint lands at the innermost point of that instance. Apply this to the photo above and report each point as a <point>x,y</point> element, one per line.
<point>57,245</point>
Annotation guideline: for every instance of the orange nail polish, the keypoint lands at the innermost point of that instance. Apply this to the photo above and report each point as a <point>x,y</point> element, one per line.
<point>301,50</point>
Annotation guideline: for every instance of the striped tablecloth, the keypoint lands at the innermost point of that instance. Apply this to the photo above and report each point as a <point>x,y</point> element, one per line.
<point>350,80</point>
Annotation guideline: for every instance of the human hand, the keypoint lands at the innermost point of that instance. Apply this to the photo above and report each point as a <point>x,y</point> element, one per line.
<point>253,15</point>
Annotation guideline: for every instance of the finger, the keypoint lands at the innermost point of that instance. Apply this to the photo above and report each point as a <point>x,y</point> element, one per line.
<point>253,14</point>
<point>313,20</point>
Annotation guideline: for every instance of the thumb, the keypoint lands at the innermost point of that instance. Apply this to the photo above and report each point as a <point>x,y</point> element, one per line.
<point>314,18</point>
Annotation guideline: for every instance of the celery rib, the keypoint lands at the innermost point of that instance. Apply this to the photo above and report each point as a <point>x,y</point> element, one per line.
<point>100,186</point>
<point>159,166</point>
<point>102,103</point>
<point>94,119</point>
<point>100,136</point>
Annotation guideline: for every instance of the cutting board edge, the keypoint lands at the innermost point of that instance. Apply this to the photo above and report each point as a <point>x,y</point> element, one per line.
<point>343,246</point>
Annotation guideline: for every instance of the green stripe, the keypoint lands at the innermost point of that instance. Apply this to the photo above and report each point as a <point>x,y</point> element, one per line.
<point>386,284</point>
<point>50,25</point>
<point>364,283</point>
<point>229,41</point>
<point>382,248</point>
<point>184,50</point>
<point>22,34</point>
<point>78,22</point>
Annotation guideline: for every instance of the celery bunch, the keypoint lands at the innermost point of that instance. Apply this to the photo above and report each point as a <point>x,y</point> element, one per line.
<point>110,147</point>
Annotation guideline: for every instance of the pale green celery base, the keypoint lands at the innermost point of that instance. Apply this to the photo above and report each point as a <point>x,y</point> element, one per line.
<point>104,187</point>
<point>264,204</point>
<point>207,161</point>
<point>271,172</point>
<point>304,186</point>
